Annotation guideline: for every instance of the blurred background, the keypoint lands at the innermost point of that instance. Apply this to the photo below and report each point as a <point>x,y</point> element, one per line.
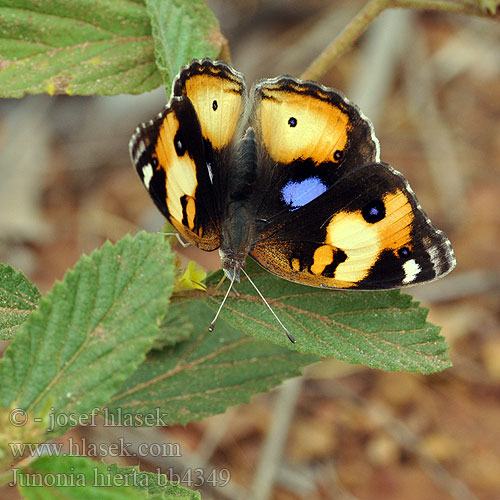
<point>431,84</point>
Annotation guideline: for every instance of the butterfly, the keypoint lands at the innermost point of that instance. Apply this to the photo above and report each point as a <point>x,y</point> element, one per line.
<point>290,174</point>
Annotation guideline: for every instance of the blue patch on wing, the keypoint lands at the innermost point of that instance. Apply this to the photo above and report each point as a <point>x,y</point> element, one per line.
<point>298,194</point>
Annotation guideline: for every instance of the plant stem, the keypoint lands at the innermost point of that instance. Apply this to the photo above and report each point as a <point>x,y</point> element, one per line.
<point>463,7</point>
<point>368,14</point>
<point>345,39</point>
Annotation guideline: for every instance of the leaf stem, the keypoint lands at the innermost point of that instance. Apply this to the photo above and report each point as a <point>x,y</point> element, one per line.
<point>367,15</point>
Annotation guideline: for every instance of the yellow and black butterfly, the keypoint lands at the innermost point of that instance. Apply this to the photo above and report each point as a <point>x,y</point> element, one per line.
<point>289,174</point>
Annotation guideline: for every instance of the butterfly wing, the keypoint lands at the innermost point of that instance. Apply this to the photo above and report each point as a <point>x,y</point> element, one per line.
<point>331,214</point>
<point>218,94</point>
<point>178,153</point>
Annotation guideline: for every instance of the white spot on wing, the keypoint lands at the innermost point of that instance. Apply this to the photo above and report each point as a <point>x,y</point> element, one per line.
<point>436,261</point>
<point>210,173</point>
<point>147,172</point>
<point>411,269</point>
<point>140,149</point>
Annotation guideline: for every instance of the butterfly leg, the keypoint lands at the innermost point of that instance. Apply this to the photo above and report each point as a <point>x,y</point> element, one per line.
<point>179,239</point>
<point>220,282</point>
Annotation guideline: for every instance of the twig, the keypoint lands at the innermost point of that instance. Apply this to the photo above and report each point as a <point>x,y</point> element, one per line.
<point>345,40</point>
<point>379,59</point>
<point>366,16</point>
<point>462,7</point>
<point>276,438</point>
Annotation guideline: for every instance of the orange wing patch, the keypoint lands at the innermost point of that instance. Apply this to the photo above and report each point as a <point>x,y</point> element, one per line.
<point>180,173</point>
<point>363,242</point>
<point>296,125</point>
<point>218,102</point>
<point>323,256</point>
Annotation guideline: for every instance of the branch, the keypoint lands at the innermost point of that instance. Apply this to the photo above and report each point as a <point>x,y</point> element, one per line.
<point>345,39</point>
<point>368,14</point>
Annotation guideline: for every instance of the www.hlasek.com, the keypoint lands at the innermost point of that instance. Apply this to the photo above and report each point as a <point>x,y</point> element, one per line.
<point>121,448</point>
<point>191,478</point>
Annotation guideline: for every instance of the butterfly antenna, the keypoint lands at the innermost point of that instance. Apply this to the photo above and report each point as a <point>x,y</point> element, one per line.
<point>288,334</point>
<point>212,325</point>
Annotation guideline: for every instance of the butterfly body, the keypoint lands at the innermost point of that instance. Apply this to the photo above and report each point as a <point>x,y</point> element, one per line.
<point>289,174</point>
<point>238,225</point>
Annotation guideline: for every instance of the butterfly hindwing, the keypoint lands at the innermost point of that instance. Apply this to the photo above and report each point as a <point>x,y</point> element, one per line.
<point>366,231</point>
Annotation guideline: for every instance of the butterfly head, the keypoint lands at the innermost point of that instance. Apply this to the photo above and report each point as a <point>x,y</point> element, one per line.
<point>232,263</point>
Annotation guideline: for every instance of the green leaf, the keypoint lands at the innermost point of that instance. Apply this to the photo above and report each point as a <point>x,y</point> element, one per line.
<point>385,329</point>
<point>183,31</point>
<point>18,298</point>
<point>79,47</point>
<point>175,327</point>
<point>156,483</point>
<point>91,331</point>
<point>78,478</point>
<point>207,373</point>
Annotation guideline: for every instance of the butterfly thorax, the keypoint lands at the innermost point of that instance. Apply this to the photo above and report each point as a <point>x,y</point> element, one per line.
<point>238,220</point>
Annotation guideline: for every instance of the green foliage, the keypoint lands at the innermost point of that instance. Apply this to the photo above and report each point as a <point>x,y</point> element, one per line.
<point>77,478</point>
<point>86,47</point>
<point>156,483</point>
<point>183,31</point>
<point>207,373</point>
<point>177,326</point>
<point>91,330</point>
<point>385,329</point>
<point>18,298</point>
<point>79,47</point>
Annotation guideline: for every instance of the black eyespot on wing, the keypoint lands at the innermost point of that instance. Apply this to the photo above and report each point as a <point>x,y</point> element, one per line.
<point>214,105</point>
<point>404,252</point>
<point>374,211</point>
<point>180,147</point>
<point>338,155</point>
<point>292,121</point>
<point>154,162</point>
